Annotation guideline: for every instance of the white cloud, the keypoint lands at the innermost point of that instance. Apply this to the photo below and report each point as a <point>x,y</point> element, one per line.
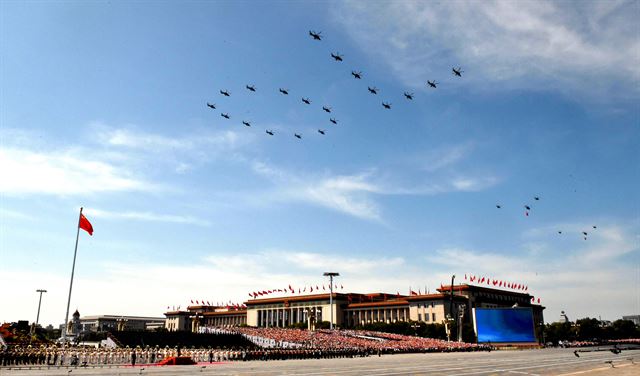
<point>517,44</point>
<point>147,216</point>
<point>157,143</point>
<point>355,194</point>
<point>347,194</point>
<point>12,214</point>
<point>62,173</point>
<point>446,156</point>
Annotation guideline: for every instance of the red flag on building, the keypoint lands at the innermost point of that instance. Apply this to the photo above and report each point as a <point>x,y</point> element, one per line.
<point>191,301</point>
<point>538,300</point>
<point>85,224</point>
<point>341,287</point>
<point>311,288</point>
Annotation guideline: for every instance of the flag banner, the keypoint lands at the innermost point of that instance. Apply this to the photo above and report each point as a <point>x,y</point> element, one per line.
<point>85,224</point>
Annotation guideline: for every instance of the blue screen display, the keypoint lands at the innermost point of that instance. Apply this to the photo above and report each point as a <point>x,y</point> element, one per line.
<point>504,325</point>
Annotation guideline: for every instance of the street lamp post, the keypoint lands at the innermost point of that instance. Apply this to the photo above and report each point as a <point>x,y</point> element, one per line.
<point>331,275</point>
<point>450,318</point>
<point>39,303</point>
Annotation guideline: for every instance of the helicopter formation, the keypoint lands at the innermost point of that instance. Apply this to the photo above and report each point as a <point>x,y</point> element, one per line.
<point>358,75</point>
<point>338,57</point>
<point>528,208</point>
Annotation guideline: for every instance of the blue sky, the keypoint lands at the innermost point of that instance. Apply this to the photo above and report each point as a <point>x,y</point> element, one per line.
<point>103,106</point>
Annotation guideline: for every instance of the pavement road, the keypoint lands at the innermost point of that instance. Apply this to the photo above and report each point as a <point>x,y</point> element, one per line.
<point>559,362</point>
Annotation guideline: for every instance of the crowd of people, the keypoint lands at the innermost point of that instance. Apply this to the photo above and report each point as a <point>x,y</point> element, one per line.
<point>353,340</point>
<point>270,344</point>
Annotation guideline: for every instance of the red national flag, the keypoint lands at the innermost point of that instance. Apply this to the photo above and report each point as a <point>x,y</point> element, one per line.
<point>311,288</point>
<point>482,280</point>
<point>341,287</point>
<point>532,298</point>
<point>304,289</point>
<point>192,301</point>
<point>495,282</point>
<point>85,224</point>
<point>538,300</point>
<point>317,288</point>
<point>323,287</point>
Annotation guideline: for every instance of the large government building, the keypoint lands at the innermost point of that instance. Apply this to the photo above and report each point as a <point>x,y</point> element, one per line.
<point>353,309</point>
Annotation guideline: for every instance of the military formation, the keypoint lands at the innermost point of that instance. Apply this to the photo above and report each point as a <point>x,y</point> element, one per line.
<point>357,75</point>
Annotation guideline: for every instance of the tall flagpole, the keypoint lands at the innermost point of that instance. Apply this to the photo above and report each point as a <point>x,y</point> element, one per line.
<point>73,268</point>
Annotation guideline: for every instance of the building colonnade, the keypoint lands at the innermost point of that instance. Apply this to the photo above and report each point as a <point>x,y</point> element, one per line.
<point>361,316</point>
<point>283,317</point>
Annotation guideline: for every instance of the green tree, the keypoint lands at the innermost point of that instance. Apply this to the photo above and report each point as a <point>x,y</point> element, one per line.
<point>622,329</point>
<point>558,331</point>
<point>588,329</point>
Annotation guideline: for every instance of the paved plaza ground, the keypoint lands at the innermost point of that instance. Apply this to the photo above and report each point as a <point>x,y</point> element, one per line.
<point>525,362</point>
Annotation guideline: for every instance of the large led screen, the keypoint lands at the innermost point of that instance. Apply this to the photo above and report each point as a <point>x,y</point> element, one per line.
<point>504,325</point>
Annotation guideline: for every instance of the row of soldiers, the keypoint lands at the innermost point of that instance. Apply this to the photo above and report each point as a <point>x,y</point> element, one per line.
<point>87,356</point>
<point>82,356</point>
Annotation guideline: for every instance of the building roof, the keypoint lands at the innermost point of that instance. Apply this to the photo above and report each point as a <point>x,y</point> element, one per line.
<point>388,303</point>
<point>226,313</point>
<point>177,313</point>
<point>467,287</point>
<point>118,317</point>
<point>422,297</point>
<point>303,298</point>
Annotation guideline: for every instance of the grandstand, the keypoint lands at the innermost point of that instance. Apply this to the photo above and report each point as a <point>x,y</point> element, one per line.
<point>174,339</point>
